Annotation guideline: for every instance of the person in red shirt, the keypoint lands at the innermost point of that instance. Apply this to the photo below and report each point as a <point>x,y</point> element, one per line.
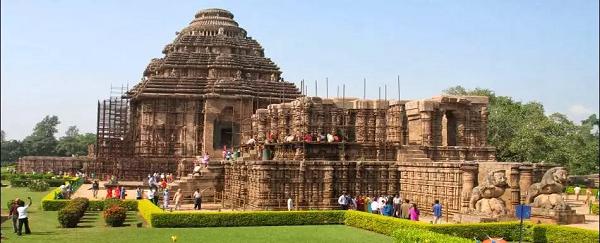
<point>307,138</point>
<point>108,192</point>
<point>163,184</point>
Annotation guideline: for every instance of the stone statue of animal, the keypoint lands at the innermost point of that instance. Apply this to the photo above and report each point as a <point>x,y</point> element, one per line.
<point>492,186</point>
<point>554,181</point>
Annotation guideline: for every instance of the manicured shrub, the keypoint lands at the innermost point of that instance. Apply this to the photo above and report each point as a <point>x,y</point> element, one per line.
<point>506,230</point>
<point>377,223</point>
<point>69,216</point>
<point>594,208</point>
<point>115,215</point>
<point>414,235</point>
<point>147,209</point>
<point>17,182</point>
<point>543,233</point>
<point>38,186</point>
<point>252,218</point>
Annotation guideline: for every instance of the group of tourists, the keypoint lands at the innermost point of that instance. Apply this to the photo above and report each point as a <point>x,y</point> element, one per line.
<point>588,194</point>
<point>388,206</point>
<point>18,214</point>
<point>65,191</point>
<point>117,192</point>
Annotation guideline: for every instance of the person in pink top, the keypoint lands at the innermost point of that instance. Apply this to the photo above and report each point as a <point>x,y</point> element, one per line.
<point>414,212</point>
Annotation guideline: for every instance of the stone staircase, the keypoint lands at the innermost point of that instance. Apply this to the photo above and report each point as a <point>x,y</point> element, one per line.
<point>208,183</point>
<point>413,154</point>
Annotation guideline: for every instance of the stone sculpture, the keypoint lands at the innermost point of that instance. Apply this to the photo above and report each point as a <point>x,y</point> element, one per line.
<point>485,198</point>
<point>547,193</point>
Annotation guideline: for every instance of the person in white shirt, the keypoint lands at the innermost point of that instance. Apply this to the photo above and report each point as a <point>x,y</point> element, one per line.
<point>197,199</point>
<point>397,201</point>
<point>577,189</point>
<point>342,201</point>
<point>375,207</point>
<point>289,204</point>
<point>23,220</point>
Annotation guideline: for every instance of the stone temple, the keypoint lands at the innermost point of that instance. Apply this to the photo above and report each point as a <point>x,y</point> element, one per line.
<point>215,88</point>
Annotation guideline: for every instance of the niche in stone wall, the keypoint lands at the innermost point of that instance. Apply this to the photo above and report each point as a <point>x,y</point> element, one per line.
<point>226,130</point>
<point>449,129</point>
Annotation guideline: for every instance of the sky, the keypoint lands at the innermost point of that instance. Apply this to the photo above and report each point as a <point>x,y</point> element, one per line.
<point>61,57</point>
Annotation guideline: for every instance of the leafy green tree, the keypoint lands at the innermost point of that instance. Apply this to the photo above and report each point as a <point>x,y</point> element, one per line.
<point>74,143</point>
<point>11,151</point>
<point>522,132</point>
<point>42,140</point>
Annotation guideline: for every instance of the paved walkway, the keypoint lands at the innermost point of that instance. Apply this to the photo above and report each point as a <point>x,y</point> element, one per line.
<point>591,221</point>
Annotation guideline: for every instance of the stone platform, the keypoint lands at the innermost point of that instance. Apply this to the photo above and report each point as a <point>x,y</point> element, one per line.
<point>552,216</point>
<point>471,218</point>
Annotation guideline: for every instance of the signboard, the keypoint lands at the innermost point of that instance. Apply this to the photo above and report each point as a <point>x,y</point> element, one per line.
<point>523,211</point>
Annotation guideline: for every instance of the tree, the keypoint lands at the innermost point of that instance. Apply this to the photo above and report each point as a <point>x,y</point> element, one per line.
<point>522,132</point>
<point>42,141</point>
<point>11,150</point>
<point>74,143</point>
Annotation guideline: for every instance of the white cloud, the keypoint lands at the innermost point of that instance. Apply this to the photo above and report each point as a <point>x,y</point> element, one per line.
<point>578,112</point>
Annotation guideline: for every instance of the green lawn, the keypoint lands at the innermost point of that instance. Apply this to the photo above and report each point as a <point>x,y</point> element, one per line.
<point>45,228</point>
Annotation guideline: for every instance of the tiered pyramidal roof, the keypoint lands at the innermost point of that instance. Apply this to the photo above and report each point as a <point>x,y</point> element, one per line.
<point>213,55</point>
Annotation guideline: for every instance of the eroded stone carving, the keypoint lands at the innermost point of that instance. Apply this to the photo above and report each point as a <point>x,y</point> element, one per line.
<point>547,193</point>
<point>485,198</point>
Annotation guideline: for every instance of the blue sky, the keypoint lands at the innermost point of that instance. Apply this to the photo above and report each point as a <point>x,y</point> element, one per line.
<point>60,57</point>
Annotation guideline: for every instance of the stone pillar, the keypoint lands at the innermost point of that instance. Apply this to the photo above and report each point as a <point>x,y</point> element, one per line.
<point>525,179</point>
<point>380,126</point>
<point>483,128</point>
<point>358,179</point>
<point>515,190</point>
<point>469,176</point>
<point>328,185</point>
<point>444,130</point>
<point>460,128</point>
<point>360,123</point>
<point>426,127</point>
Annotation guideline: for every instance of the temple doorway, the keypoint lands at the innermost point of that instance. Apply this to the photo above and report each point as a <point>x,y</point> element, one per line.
<point>450,129</point>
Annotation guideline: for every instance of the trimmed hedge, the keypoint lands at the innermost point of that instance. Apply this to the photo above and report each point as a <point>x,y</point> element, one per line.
<point>507,230</point>
<point>594,209</point>
<point>412,235</point>
<point>237,219</point>
<point>543,233</point>
<point>95,205</point>
<point>147,209</point>
<point>69,216</point>
<point>381,224</point>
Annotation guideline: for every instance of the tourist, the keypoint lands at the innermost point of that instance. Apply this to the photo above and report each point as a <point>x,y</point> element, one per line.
<point>165,199</point>
<point>397,201</point>
<point>360,203</point>
<point>330,138</point>
<point>404,208</point>
<point>205,160</point>
<point>289,203</point>
<point>95,188</point>
<point>197,199</point>
<point>109,192</point>
<point>122,192</point>
<point>177,199</point>
<point>163,184</point>
<point>342,201</point>
<point>138,193</point>
<point>577,189</point>
<point>414,212</point>
<point>13,214</point>
<point>588,195</point>
<point>437,212</point>
<point>151,196</point>
<point>368,204</point>
<point>375,207</point>
<point>23,219</point>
